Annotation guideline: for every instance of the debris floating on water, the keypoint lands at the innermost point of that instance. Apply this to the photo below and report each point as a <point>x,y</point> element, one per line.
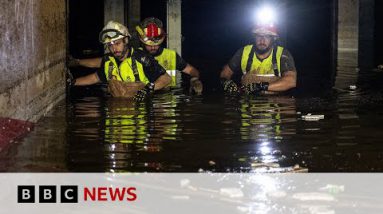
<point>312,117</point>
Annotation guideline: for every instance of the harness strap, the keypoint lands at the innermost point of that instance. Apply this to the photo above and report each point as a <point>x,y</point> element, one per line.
<point>135,70</point>
<point>274,61</point>
<point>250,60</point>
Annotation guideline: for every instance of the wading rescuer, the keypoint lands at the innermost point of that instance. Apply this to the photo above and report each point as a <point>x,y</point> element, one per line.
<point>129,72</point>
<point>261,66</point>
<point>152,34</point>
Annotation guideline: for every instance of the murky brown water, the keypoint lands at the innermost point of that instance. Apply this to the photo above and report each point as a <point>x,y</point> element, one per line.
<point>182,133</point>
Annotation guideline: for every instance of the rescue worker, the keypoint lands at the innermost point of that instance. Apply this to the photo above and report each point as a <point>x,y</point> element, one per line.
<point>123,64</point>
<point>263,66</point>
<point>152,34</point>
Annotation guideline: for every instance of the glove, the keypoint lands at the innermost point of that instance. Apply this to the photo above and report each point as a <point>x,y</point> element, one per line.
<point>72,62</point>
<point>255,88</point>
<point>196,85</point>
<point>144,93</point>
<point>71,81</point>
<point>230,87</point>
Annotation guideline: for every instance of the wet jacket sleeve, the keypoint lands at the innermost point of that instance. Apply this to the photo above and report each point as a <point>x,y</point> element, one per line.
<point>180,63</point>
<point>152,69</point>
<point>287,62</point>
<point>235,65</point>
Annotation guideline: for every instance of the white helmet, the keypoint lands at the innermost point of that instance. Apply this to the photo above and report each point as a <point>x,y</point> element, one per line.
<point>113,31</point>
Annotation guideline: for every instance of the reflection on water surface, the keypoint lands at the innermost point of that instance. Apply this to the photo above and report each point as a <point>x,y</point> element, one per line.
<point>181,133</point>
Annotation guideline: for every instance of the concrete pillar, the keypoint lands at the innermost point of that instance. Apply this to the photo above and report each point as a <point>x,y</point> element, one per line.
<point>366,33</point>
<point>348,43</point>
<point>348,33</point>
<point>134,13</point>
<point>174,38</point>
<point>114,10</point>
<point>32,63</point>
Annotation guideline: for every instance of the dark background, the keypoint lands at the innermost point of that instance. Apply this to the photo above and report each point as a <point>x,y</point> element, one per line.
<point>213,30</point>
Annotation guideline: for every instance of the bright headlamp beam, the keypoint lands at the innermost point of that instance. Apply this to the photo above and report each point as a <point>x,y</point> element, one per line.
<point>266,15</point>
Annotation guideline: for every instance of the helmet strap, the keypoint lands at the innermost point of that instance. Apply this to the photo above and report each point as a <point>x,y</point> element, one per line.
<point>125,51</point>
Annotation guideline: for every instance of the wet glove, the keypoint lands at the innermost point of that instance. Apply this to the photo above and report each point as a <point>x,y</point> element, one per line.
<point>196,85</point>
<point>230,87</point>
<point>70,79</point>
<point>144,93</point>
<point>255,88</point>
<point>72,62</point>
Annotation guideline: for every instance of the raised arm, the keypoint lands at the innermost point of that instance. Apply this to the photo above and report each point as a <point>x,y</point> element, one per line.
<point>87,80</point>
<point>88,63</point>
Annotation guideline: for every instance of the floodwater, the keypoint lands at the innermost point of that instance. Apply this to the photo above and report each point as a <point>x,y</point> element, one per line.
<point>176,132</point>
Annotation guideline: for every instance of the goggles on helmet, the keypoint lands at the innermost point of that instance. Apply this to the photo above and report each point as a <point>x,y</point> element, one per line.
<point>110,35</point>
<point>153,39</point>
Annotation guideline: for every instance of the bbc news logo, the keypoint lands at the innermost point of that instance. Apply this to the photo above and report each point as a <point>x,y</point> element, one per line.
<point>47,194</point>
<point>70,194</point>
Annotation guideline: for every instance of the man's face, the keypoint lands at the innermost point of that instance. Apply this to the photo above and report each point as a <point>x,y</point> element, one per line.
<point>263,43</point>
<point>152,49</point>
<point>117,48</point>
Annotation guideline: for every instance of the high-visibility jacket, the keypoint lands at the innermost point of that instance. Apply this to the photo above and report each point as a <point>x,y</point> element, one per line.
<point>168,60</point>
<point>264,67</point>
<point>130,70</point>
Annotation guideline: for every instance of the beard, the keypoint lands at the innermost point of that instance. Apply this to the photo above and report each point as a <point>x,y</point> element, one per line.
<point>153,52</point>
<point>263,50</point>
<point>121,55</point>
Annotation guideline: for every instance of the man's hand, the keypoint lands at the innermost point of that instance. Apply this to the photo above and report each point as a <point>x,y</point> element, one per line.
<point>72,62</point>
<point>70,79</point>
<point>230,87</point>
<point>144,93</point>
<point>255,88</point>
<point>196,85</point>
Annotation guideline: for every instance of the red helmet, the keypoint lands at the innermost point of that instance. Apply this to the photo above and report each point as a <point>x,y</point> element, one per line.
<point>151,31</point>
<point>265,24</point>
<point>265,29</point>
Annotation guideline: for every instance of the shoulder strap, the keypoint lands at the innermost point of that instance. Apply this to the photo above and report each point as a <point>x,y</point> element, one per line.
<point>250,59</point>
<point>135,70</point>
<point>274,60</point>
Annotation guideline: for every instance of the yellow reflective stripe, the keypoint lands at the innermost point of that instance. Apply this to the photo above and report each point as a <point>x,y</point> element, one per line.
<point>167,59</point>
<point>264,67</point>
<point>173,75</point>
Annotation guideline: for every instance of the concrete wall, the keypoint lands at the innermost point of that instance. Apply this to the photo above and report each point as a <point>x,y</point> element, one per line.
<point>32,62</point>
